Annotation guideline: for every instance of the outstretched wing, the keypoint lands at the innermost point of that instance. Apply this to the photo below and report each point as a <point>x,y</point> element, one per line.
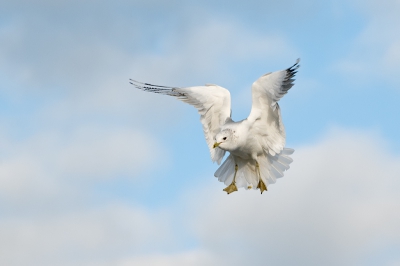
<point>265,112</point>
<point>213,103</point>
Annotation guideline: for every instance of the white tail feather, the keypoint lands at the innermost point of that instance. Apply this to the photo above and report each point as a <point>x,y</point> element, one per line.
<point>271,168</point>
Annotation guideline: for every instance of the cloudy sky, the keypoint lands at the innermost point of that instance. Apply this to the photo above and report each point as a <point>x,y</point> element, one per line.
<point>95,172</point>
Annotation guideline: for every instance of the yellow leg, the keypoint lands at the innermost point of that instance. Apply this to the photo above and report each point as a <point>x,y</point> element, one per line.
<point>261,184</point>
<point>232,187</point>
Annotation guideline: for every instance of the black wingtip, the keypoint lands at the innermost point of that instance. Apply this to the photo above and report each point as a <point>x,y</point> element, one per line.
<point>294,67</point>
<point>135,82</point>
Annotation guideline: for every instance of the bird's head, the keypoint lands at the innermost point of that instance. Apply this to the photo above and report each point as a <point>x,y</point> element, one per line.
<point>224,139</point>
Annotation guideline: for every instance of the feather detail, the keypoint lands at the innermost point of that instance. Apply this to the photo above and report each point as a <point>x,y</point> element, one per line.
<point>271,168</point>
<point>211,101</point>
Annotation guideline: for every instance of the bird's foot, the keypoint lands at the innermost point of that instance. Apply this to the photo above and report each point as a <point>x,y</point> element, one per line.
<point>231,188</point>
<point>262,186</point>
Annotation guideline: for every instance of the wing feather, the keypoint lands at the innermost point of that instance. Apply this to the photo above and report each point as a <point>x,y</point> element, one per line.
<point>212,102</point>
<point>265,112</point>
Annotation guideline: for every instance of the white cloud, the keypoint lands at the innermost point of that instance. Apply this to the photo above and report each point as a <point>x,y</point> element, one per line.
<point>49,165</point>
<point>195,257</point>
<point>337,205</point>
<point>100,153</point>
<point>83,236</point>
<point>22,178</point>
<point>76,53</point>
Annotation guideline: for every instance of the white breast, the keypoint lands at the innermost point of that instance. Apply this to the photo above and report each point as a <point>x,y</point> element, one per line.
<point>247,147</point>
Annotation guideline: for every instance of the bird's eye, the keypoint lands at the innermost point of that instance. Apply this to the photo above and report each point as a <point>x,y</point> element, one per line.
<point>224,138</point>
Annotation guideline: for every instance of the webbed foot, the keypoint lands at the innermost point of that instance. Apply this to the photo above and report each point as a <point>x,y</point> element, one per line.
<point>231,188</point>
<point>262,186</point>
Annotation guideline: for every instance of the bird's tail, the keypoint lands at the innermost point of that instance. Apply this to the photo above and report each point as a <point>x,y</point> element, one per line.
<point>271,168</point>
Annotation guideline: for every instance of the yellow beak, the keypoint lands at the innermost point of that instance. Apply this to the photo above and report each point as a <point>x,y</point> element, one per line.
<point>216,144</point>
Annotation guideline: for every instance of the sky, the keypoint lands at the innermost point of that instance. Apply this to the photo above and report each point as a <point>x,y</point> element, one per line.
<point>96,172</point>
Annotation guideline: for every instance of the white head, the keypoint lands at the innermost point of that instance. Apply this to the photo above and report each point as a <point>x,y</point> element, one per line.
<point>225,140</point>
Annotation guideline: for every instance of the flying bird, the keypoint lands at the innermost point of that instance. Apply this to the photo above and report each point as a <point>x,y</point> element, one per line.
<point>256,144</point>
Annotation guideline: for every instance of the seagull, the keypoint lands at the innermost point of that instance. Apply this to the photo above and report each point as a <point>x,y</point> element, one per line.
<point>256,145</point>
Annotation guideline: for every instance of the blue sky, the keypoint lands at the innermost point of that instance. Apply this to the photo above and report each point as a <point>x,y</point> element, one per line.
<point>95,172</point>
